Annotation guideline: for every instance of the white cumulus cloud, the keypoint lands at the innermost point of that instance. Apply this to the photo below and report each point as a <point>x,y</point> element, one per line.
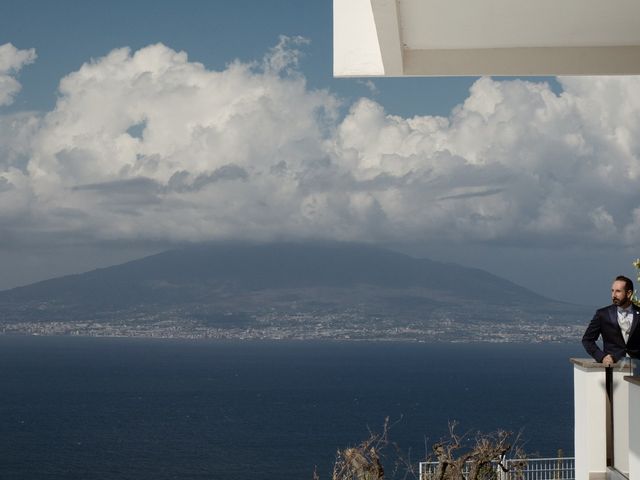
<point>11,62</point>
<point>514,163</point>
<point>148,145</point>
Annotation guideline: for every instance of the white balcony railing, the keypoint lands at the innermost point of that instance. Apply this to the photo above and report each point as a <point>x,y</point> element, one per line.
<point>534,469</point>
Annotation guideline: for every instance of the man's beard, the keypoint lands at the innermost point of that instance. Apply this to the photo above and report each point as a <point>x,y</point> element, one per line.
<point>623,303</point>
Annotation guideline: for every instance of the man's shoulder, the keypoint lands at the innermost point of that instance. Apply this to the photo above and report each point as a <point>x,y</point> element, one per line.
<point>605,310</point>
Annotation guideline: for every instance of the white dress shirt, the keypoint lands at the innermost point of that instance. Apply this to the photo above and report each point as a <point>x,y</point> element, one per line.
<point>625,318</point>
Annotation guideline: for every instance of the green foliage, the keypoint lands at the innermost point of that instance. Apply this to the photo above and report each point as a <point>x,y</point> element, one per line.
<point>635,299</point>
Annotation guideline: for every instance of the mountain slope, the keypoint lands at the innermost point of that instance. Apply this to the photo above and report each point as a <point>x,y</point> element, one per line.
<point>253,285</point>
<point>272,266</point>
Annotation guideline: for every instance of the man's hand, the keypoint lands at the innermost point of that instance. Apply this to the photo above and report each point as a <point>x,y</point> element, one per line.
<point>608,360</point>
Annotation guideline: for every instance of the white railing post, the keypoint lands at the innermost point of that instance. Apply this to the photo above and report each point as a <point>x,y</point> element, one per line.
<point>590,433</point>
<point>634,427</point>
<point>621,420</point>
<point>601,404</point>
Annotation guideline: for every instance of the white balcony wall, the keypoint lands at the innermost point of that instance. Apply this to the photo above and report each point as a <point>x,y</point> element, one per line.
<point>634,427</point>
<point>621,421</point>
<point>590,442</point>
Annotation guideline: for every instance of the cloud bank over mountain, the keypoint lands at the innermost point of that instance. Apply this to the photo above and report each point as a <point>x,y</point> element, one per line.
<point>147,145</point>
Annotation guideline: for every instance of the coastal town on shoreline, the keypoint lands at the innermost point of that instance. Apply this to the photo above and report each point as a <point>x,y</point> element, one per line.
<point>342,326</point>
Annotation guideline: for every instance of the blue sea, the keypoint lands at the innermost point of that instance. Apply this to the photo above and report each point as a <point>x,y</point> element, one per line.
<point>124,408</point>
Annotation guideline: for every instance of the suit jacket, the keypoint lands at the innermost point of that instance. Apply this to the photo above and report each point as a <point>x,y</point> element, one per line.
<point>605,324</point>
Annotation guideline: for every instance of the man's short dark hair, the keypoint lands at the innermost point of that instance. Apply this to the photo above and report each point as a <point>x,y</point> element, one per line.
<point>628,284</point>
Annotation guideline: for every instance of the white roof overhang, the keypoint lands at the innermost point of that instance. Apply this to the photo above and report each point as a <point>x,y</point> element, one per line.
<point>486,37</point>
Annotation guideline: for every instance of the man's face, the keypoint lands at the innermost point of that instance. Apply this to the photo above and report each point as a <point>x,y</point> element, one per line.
<point>619,295</point>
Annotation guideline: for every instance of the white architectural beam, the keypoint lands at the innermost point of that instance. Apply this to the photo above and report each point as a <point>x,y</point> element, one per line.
<point>355,42</point>
<point>385,15</point>
<point>493,37</point>
<point>623,60</point>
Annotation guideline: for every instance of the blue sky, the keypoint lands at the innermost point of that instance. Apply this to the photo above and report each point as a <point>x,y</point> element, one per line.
<point>68,33</point>
<point>131,127</point>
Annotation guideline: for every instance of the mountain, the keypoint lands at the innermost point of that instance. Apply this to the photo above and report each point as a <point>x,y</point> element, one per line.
<point>280,289</point>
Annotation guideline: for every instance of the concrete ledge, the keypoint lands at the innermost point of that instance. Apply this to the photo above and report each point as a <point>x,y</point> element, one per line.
<point>589,363</point>
<point>633,380</point>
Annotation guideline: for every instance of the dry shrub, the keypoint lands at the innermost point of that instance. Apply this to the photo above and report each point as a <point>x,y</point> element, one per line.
<point>480,459</point>
<point>458,457</point>
<point>362,462</point>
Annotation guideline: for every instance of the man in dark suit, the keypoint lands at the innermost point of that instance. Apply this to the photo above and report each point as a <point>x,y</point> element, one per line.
<point>618,325</point>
